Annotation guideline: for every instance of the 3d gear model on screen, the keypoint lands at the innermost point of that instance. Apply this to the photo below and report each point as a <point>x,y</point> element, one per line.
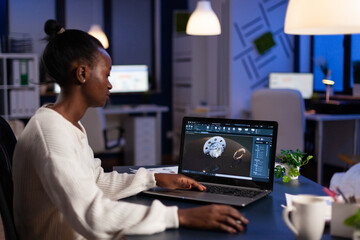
<point>238,155</point>
<point>215,146</point>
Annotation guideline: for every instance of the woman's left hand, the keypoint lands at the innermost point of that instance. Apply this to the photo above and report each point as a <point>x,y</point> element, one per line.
<point>177,181</point>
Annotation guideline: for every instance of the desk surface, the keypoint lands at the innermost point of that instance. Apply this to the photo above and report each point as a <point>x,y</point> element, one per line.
<point>265,215</point>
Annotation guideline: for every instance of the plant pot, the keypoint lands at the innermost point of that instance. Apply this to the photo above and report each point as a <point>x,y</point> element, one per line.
<point>356,234</point>
<point>287,169</point>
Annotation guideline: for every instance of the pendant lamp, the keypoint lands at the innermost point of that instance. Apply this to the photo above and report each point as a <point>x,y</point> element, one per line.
<point>97,32</point>
<point>322,17</point>
<point>95,29</point>
<point>203,21</point>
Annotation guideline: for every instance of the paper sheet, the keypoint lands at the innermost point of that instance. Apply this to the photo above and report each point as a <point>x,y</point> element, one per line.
<point>173,169</point>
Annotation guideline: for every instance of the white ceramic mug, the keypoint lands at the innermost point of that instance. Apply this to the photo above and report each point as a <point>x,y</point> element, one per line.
<point>308,217</point>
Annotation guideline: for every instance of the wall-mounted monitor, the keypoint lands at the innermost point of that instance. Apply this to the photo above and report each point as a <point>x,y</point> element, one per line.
<point>304,82</point>
<point>129,78</point>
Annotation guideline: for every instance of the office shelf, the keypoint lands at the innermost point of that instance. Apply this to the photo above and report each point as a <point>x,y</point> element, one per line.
<point>198,87</point>
<point>19,85</point>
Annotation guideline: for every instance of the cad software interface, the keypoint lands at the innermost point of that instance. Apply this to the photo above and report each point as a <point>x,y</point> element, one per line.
<point>238,151</point>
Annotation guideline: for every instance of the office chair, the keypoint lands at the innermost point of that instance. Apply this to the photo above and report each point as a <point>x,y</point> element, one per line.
<point>7,145</point>
<point>286,106</point>
<point>98,133</point>
<point>350,159</point>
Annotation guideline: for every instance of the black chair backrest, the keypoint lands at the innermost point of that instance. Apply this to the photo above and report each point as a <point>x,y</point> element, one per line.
<point>7,145</point>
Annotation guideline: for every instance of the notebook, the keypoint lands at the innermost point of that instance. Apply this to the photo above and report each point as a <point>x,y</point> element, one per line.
<point>233,158</point>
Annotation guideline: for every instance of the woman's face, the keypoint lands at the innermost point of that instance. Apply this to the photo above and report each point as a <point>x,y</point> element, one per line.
<point>97,86</point>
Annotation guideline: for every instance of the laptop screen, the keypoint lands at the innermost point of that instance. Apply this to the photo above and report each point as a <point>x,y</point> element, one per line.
<point>228,151</point>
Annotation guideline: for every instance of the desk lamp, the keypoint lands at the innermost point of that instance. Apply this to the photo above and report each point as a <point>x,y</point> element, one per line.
<point>329,84</point>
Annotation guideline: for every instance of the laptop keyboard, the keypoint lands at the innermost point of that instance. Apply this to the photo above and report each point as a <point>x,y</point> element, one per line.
<point>231,191</point>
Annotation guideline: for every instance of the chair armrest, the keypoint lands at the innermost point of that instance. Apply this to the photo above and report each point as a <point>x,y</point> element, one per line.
<point>118,142</point>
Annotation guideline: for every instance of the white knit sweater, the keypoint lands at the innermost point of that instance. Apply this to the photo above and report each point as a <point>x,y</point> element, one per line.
<point>61,191</point>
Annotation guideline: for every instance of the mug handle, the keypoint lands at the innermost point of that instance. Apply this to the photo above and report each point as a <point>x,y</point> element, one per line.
<point>286,218</point>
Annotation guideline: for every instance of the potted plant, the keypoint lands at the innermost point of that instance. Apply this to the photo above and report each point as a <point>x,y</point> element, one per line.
<point>290,163</point>
<point>354,221</point>
<point>324,67</point>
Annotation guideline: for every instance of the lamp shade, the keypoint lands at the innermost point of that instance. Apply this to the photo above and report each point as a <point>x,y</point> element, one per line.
<point>322,17</point>
<point>96,31</point>
<point>203,21</point>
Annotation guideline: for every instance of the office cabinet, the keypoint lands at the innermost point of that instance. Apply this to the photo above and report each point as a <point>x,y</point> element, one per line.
<point>141,141</point>
<point>200,80</point>
<point>19,85</point>
<point>182,84</point>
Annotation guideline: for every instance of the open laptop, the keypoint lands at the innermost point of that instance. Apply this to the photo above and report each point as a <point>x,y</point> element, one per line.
<point>234,158</point>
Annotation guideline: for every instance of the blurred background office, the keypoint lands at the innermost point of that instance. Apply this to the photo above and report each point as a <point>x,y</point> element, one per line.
<point>210,76</point>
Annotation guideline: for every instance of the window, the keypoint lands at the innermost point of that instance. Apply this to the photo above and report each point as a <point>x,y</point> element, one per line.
<point>355,54</point>
<point>329,49</point>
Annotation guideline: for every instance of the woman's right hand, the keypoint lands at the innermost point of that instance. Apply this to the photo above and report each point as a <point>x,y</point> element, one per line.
<point>219,217</point>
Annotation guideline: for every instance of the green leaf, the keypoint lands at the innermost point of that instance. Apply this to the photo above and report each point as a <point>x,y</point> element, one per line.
<point>279,171</point>
<point>286,179</point>
<point>294,158</point>
<point>306,161</point>
<point>353,220</point>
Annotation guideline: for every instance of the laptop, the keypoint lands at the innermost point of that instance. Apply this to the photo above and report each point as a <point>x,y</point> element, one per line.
<point>233,158</point>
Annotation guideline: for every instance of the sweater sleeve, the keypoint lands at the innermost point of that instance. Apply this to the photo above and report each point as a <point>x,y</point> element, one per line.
<point>116,186</point>
<point>71,185</point>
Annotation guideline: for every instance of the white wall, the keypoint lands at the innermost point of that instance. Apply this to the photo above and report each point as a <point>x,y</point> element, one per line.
<point>132,32</point>
<point>81,14</point>
<point>210,55</point>
<point>249,70</point>
<point>227,69</point>
<point>29,17</point>
<point>131,24</point>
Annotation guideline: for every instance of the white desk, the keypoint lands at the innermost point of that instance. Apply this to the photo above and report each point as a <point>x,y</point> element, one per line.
<point>319,135</point>
<point>145,110</point>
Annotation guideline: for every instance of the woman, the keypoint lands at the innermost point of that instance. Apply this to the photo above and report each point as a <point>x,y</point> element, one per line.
<point>60,190</point>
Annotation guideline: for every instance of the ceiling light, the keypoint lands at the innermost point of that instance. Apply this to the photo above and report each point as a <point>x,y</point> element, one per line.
<point>322,17</point>
<point>203,21</point>
<point>97,32</point>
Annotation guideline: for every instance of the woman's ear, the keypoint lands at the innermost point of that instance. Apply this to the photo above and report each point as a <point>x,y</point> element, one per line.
<point>82,71</point>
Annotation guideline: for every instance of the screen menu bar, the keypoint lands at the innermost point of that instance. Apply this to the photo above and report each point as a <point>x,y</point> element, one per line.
<point>226,128</point>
